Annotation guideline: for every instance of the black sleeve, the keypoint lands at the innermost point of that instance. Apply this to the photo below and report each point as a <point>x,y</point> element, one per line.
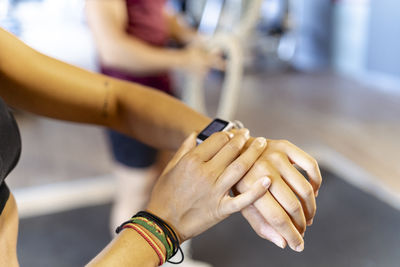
<point>10,141</point>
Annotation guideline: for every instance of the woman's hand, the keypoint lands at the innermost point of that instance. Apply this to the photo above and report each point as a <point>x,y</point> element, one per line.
<point>199,60</point>
<point>282,214</point>
<point>192,194</point>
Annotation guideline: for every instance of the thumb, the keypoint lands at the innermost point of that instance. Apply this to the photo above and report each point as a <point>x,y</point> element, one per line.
<point>239,202</point>
<point>186,146</point>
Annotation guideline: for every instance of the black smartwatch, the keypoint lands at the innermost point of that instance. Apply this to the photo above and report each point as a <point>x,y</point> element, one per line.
<point>217,125</point>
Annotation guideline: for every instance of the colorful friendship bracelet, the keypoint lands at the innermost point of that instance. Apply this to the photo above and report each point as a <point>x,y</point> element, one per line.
<point>149,240</point>
<point>167,230</point>
<point>156,231</point>
<point>160,229</point>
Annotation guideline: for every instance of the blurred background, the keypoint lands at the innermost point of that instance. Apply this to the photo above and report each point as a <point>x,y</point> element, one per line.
<point>324,74</point>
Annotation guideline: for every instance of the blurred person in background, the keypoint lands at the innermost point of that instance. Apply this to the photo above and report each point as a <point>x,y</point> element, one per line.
<point>131,38</point>
<point>37,83</point>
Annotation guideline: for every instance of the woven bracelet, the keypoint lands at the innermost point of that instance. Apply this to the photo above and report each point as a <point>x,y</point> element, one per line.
<point>149,240</point>
<point>160,229</point>
<point>156,231</point>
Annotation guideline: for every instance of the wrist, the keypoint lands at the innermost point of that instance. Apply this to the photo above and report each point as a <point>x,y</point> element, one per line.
<point>167,217</point>
<point>218,125</point>
<point>159,235</point>
<point>158,242</point>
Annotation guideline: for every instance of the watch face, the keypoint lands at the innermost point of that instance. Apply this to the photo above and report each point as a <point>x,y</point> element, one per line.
<point>216,125</point>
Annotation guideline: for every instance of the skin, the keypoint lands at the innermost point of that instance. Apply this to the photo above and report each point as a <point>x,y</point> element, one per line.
<point>282,215</point>
<point>9,234</point>
<point>45,86</point>
<point>196,186</point>
<point>120,50</point>
<point>292,196</point>
<point>47,89</point>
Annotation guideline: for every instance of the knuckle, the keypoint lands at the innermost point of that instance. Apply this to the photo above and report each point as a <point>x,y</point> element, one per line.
<point>261,165</point>
<point>191,163</point>
<point>235,146</point>
<point>313,164</point>
<point>258,144</point>
<point>308,192</point>
<point>223,137</point>
<point>276,156</point>
<point>284,143</point>
<point>279,221</point>
<point>212,173</point>
<point>294,207</point>
<point>207,183</point>
<point>238,167</point>
<point>220,137</point>
<point>192,159</point>
<point>243,185</point>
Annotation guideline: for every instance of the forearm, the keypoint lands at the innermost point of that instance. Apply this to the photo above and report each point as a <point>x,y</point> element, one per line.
<point>155,118</point>
<point>118,49</point>
<point>127,249</point>
<point>179,30</point>
<point>45,86</point>
<point>132,55</point>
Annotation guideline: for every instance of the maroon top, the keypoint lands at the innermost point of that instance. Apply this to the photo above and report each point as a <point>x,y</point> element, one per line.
<point>146,21</point>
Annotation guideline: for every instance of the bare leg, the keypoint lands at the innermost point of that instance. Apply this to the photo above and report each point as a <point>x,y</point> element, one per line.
<point>133,191</point>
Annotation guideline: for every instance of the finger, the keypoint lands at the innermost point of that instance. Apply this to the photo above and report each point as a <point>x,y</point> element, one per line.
<point>186,146</point>
<point>276,216</point>
<point>235,171</point>
<point>274,204</point>
<point>298,184</point>
<point>229,152</point>
<point>235,204</point>
<point>280,191</point>
<point>262,227</point>
<point>207,149</point>
<point>304,161</point>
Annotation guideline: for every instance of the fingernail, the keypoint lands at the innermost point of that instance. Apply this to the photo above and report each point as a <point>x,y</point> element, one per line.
<point>261,141</point>
<point>310,222</point>
<point>300,247</point>
<point>279,242</point>
<point>266,182</point>
<point>231,135</point>
<point>316,193</point>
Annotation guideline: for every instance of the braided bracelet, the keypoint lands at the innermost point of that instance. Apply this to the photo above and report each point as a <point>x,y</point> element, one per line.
<point>160,229</point>
<point>153,228</point>
<point>149,240</point>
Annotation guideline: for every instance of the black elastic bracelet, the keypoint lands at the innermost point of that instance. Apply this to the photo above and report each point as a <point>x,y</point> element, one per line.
<point>166,229</point>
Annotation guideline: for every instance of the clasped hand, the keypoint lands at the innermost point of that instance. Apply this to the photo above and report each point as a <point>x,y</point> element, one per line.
<point>194,191</point>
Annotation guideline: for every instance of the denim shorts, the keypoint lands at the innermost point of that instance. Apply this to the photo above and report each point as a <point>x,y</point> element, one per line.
<point>130,152</point>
